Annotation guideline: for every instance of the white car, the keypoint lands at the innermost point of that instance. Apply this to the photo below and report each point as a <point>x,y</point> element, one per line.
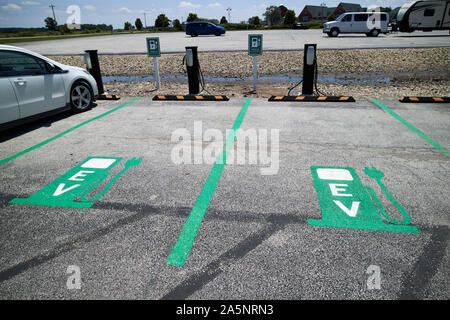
<point>370,23</point>
<point>33,86</point>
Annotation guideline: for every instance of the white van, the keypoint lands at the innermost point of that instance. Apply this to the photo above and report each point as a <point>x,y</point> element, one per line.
<point>369,23</point>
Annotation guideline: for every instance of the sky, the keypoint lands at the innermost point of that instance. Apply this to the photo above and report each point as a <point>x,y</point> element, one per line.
<point>21,13</point>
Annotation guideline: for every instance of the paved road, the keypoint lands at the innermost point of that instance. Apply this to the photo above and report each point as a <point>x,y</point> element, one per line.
<point>238,41</point>
<point>256,240</point>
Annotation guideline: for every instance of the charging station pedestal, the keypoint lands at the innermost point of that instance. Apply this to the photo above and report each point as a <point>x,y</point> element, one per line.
<point>93,67</point>
<point>309,69</point>
<point>192,66</point>
<point>194,80</point>
<point>309,82</point>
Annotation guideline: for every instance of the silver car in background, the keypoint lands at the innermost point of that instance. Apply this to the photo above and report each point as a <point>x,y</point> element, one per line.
<point>33,86</point>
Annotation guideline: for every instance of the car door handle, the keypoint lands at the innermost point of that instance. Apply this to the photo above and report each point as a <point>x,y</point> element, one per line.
<point>20,82</point>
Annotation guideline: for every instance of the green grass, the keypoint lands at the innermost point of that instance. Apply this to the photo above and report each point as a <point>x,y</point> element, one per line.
<point>57,37</point>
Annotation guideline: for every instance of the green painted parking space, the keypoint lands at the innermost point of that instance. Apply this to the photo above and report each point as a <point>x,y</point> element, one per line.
<point>160,201</point>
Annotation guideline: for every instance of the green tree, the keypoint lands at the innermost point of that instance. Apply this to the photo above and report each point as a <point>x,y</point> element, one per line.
<point>50,24</point>
<point>331,17</point>
<point>127,26</point>
<point>192,17</point>
<point>223,20</point>
<point>162,21</point>
<point>273,15</point>
<point>255,21</point>
<point>177,25</point>
<point>138,24</point>
<point>64,29</point>
<point>289,18</point>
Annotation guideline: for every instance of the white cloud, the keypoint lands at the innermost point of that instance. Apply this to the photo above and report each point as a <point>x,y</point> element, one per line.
<point>30,3</point>
<point>122,10</point>
<point>89,8</point>
<point>214,5</point>
<point>189,5</point>
<point>11,7</point>
<point>149,11</point>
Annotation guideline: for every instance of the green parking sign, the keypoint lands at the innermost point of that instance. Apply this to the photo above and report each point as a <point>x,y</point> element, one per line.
<point>255,44</point>
<point>153,48</point>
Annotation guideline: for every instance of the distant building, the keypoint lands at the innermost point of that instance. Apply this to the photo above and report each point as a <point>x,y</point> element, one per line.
<point>283,10</point>
<point>316,13</point>
<point>344,7</point>
<point>321,13</point>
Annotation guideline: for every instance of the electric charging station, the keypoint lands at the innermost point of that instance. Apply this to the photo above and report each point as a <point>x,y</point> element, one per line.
<point>310,92</point>
<point>195,80</point>
<point>309,69</point>
<point>93,67</point>
<point>192,66</point>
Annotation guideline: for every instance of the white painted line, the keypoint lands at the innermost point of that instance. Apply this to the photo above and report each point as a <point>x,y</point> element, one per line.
<point>98,163</point>
<point>334,174</point>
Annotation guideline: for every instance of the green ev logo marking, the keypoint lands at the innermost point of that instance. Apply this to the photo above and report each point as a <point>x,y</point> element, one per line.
<point>346,203</point>
<point>77,183</point>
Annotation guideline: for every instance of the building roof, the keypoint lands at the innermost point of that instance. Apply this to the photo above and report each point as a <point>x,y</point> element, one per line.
<point>350,7</point>
<point>317,11</point>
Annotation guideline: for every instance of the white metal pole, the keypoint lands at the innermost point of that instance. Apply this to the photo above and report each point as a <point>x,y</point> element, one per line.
<point>155,59</point>
<point>255,72</point>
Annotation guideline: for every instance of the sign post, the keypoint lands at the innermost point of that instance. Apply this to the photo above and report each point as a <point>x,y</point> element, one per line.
<point>154,50</point>
<point>255,50</point>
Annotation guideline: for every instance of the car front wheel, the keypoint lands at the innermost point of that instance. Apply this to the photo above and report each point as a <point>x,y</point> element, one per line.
<point>81,96</point>
<point>333,33</point>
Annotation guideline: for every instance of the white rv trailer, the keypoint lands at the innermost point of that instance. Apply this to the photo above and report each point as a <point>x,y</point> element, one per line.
<point>424,15</point>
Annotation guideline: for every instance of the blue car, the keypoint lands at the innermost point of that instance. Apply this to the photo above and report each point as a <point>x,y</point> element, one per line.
<point>203,28</point>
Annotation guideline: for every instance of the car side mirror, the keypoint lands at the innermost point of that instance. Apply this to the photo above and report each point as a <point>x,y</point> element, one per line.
<point>52,68</point>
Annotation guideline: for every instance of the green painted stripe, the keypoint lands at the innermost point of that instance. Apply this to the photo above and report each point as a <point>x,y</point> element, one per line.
<point>184,243</point>
<point>21,153</point>
<point>436,145</point>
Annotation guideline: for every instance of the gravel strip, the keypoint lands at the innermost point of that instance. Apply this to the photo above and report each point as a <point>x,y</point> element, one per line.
<point>239,64</point>
<point>264,90</point>
<point>421,72</point>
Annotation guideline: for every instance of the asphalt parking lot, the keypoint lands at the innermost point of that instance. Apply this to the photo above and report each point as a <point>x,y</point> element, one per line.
<point>259,237</point>
<point>238,41</point>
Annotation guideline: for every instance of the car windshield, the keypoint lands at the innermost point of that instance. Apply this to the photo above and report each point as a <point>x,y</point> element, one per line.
<point>340,17</point>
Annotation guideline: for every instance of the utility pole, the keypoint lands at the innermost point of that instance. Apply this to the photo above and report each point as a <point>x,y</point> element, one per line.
<point>145,21</point>
<point>53,9</point>
<point>229,16</point>
<point>323,5</point>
